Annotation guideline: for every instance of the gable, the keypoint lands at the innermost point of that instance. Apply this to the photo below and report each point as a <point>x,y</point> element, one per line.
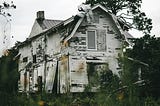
<point>36,29</point>
<point>40,26</point>
<point>103,13</point>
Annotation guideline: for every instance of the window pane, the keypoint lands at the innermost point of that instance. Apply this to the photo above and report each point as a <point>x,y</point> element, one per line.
<point>91,40</point>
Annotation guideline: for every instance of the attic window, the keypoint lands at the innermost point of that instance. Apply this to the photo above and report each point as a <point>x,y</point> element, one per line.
<point>91,40</point>
<point>25,59</point>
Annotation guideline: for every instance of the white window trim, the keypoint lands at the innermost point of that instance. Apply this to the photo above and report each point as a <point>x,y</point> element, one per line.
<point>95,39</point>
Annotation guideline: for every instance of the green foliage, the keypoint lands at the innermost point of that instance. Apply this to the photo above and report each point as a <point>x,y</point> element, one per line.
<point>147,50</point>
<point>8,77</point>
<point>129,11</point>
<point>9,73</point>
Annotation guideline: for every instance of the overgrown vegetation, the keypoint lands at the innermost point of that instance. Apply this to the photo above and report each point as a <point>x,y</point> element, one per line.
<point>8,77</point>
<point>133,87</point>
<point>114,91</point>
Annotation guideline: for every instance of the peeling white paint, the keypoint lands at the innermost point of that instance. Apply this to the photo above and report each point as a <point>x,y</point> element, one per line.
<point>62,55</point>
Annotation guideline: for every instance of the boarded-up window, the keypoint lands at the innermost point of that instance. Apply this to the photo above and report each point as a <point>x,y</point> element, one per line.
<point>101,40</point>
<point>91,36</point>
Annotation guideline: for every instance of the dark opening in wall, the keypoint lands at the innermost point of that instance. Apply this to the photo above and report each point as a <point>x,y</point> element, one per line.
<point>39,84</point>
<point>25,59</point>
<point>92,74</point>
<point>34,59</point>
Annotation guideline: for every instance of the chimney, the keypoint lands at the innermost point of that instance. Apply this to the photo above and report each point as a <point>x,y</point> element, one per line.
<point>40,15</point>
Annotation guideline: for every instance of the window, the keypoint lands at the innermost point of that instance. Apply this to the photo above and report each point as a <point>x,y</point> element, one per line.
<point>25,59</point>
<point>91,38</point>
<point>34,59</point>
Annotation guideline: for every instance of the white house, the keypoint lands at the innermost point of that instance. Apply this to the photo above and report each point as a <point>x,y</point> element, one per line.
<point>57,54</point>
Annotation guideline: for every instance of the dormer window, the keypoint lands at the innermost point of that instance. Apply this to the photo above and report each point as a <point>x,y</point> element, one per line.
<point>91,40</point>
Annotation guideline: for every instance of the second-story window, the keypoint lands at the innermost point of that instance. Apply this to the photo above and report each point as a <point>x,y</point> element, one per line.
<point>25,59</point>
<point>91,40</point>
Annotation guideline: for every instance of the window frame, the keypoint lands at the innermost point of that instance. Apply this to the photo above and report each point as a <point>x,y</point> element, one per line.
<point>95,39</point>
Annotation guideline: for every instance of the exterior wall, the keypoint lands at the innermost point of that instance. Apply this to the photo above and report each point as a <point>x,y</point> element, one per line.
<point>32,69</point>
<point>108,49</point>
<point>108,46</point>
<point>53,44</point>
<point>65,67</point>
<point>24,78</point>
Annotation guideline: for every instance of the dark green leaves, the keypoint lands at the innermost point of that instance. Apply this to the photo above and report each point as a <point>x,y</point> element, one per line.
<point>147,50</point>
<point>131,8</point>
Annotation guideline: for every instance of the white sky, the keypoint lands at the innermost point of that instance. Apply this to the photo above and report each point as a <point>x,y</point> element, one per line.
<point>23,17</point>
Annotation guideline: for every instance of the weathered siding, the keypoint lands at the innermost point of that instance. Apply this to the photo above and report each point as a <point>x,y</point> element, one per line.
<point>53,44</point>
<point>78,74</point>
<point>66,66</point>
<point>63,80</point>
<point>25,58</point>
<point>108,44</point>
<point>51,68</point>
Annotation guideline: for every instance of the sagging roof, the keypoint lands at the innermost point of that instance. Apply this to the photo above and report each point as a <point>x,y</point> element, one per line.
<point>43,25</point>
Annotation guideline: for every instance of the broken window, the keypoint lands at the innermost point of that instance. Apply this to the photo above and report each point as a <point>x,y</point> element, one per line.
<point>91,38</point>
<point>25,59</point>
<point>34,59</point>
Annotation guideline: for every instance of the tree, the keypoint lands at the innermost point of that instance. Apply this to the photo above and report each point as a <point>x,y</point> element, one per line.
<point>5,24</point>
<point>4,6</point>
<point>129,11</point>
<point>8,72</point>
<point>147,50</point>
<point>8,77</point>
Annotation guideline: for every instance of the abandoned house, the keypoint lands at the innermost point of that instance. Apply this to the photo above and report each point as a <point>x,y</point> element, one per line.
<point>64,56</point>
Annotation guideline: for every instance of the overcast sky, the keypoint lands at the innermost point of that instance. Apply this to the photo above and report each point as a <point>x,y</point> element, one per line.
<point>23,17</point>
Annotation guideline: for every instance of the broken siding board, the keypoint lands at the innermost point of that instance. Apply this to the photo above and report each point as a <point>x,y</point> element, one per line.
<point>63,75</point>
<point>35,79</point>
<point>78,42</point>
<point>28,80</point>
<point>31,76</point>
<point>78,74</point>
<point>41,71</point>
<point>21,81</point>
<point>52,66</point>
